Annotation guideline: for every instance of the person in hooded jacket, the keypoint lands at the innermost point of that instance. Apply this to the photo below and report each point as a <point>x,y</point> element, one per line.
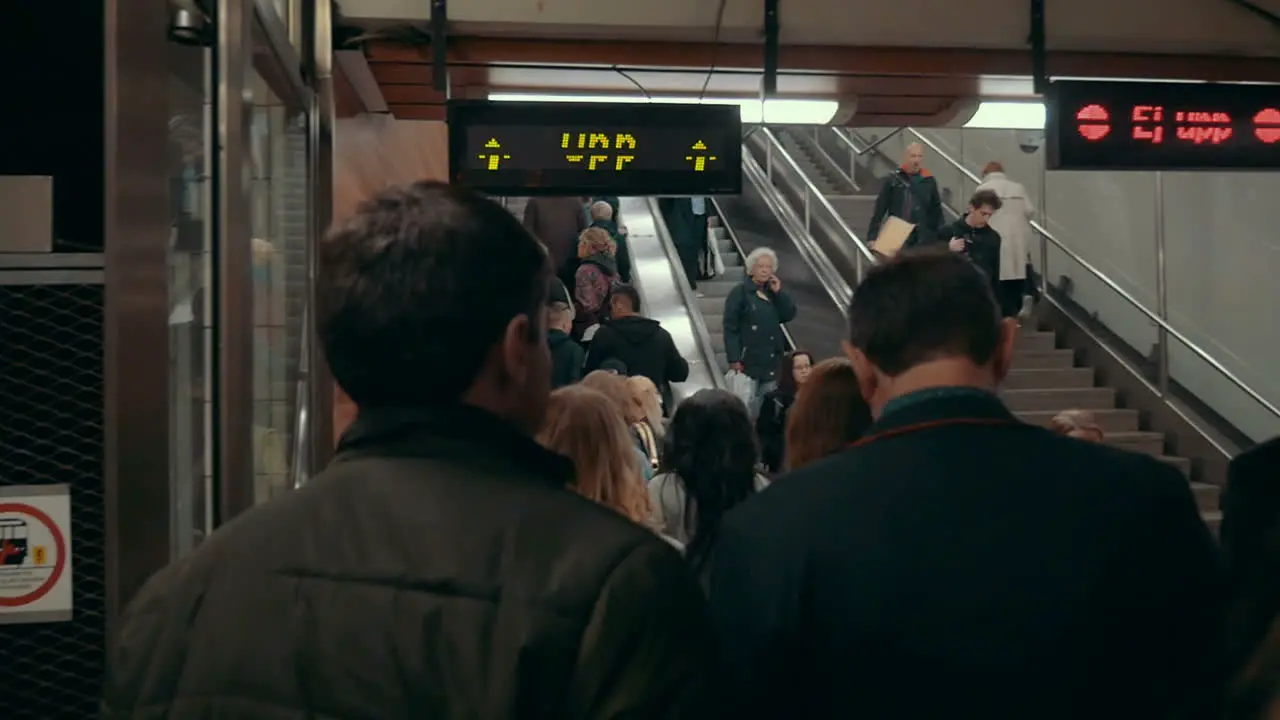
<point>640,342</point>
<point>567,356</point>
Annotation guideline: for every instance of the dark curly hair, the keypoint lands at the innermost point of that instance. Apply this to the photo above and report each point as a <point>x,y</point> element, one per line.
<point>711,448</point>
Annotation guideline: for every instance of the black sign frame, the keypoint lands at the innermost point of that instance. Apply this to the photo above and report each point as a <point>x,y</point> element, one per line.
<point>542,118</point>
<point>1197,109</point>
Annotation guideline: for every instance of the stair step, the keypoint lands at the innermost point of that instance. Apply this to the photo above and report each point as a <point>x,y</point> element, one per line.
<point>1213,519</point>
<point>1207,496</point>
<point>1110,420</point>
<point>1036,340</point>
<point>1049,378</point>
<point>1150,443</point>
<point>718,232</point>
<point>1059,400</point>
<point>715,320</point>
<point>1182,464</point>
<point>731,259</point>
<point>718,288</point>
<point>1042,359</point>
<point>717,339</point>
<point>722,363</point>
<point>709,305</point>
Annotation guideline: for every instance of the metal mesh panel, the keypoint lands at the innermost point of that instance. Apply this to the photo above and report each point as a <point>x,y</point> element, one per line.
<point>51,431</point>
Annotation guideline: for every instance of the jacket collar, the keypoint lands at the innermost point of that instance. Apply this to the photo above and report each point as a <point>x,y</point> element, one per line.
<point>924,172</point>
<point>940,404</point>
<point>459,432</point>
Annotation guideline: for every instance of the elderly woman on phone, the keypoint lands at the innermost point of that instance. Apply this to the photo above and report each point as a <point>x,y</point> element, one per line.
<point>753,316</point>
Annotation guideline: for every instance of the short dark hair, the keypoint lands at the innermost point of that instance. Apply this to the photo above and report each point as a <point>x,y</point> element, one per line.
<point>630,293</point>
<point>924,305</point>
<point>416,288</point>
<point>986,198</point>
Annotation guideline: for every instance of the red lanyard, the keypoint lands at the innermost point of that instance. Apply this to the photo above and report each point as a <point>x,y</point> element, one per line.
<point>918,427</point>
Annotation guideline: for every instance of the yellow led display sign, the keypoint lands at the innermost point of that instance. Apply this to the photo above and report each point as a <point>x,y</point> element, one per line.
<point>572,149</point>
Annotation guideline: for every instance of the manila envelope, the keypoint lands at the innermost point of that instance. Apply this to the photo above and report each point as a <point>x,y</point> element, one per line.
<point>893,235</point>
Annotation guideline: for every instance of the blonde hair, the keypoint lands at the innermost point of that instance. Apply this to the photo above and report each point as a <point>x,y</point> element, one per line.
<point>612,386</point>
<point>585,426</point>
<point>646,403</point>
<point>596,241</point>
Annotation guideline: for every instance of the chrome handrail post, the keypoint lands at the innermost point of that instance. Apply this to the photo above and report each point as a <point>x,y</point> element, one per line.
<point>1162,290</point>
<point>807,213</point>
<point>768,161</point>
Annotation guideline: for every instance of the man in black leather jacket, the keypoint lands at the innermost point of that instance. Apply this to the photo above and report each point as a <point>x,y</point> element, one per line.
<point>973,235</point>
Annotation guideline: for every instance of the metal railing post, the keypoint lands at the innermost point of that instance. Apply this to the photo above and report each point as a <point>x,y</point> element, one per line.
<point>768,161</point>
<point>1162,290</point>
<point>807,212</point>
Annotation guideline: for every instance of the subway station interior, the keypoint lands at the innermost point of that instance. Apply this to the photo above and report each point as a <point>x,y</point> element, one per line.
<point>168,168</point>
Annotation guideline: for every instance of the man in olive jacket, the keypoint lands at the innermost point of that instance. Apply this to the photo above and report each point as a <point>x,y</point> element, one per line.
<point>440,567</point>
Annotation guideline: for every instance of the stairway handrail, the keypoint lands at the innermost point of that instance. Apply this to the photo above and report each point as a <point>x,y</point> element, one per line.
<point>775,148</point>
<point>1101,276</point>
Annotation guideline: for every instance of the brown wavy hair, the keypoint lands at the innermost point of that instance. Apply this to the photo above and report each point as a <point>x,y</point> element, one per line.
<point>585,426</point>
<point>828,414</point>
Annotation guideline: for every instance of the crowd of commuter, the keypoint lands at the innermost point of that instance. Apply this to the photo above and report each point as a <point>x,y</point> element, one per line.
<point>884,540</point>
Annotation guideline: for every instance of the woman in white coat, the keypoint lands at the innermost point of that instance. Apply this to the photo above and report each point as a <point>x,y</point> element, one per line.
<point>1013,222</point>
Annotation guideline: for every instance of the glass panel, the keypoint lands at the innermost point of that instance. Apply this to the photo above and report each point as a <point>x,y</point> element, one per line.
<point>278,190</point>
<point>190,297</point>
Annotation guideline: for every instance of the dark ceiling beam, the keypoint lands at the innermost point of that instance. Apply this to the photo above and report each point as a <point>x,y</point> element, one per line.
<point>638,54</point>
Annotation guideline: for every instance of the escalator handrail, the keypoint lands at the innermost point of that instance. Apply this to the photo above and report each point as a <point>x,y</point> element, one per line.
<point>737,246</point>
<point>817,195</point>
<point>1112,285</point>
<point>701,334</point>
<point>832,281</point>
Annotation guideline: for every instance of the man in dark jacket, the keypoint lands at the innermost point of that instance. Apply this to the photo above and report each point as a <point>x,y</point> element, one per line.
<point>973,236</point>
<point>567,356</point>
<point>956,562</point>
<point>641,343</point>
<point>910,192</point>
<point>440,567</point>
<point>557,222</point>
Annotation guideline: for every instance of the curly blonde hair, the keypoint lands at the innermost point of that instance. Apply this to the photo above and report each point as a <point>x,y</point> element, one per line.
<point>596,241</point>
<point>585,426</point>
<point>646,403</point>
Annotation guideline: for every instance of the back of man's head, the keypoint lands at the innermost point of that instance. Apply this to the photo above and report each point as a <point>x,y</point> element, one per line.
<point>413,310</point>
<point>624,301</point>
<point>560,316</point>
<point>926,318</point>
<point>601,211</point>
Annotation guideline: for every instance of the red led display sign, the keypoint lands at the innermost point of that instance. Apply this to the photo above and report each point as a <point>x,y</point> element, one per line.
<point>1162,126</point>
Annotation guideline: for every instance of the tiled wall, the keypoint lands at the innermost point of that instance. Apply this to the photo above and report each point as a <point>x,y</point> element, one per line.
<point>372,152</point>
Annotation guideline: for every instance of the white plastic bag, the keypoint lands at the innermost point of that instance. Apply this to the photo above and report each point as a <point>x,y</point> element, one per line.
<point>742,385</point>
<point>717,262</point>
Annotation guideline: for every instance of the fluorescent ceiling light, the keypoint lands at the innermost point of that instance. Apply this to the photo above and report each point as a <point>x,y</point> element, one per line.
<point>782,112</point>
<point>1008,116</point>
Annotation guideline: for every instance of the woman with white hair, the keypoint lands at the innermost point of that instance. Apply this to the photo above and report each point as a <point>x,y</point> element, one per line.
<point>753,316</point>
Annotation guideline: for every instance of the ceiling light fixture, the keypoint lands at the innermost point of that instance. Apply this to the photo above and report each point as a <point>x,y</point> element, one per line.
<point>782,112</point>
<point>1006,115</point>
